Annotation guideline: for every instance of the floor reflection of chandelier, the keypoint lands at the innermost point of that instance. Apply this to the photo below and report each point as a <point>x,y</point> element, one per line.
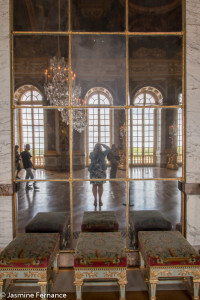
<point>57,90</point>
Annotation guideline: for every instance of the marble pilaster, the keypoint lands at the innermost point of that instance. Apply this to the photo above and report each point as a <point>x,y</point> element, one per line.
<point>6,227</point>
<point>192,117</point>
<point>6,220</point>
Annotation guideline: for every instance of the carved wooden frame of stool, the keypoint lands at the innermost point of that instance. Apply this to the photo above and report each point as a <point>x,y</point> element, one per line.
<point>42,275</point>
<point>182,271</point>
<point>100,273</point>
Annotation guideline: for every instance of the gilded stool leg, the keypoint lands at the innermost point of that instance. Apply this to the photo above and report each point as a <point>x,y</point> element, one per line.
<point>1,289</point>
<point>55,263</point>
<point>153,289</point>
<point>196,288</point>
<point>141,261</point>
<point>78,283</point>
<point>43,288</point>
<point>122,291</point>
<point>78,291</point>
<point>122,281</point>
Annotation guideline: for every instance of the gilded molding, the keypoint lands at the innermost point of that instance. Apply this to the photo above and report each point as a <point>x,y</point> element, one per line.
<point>6,190</point>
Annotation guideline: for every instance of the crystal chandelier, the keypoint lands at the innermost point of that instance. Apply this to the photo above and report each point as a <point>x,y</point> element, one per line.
<point>57,90</point>
<point>56,87</point>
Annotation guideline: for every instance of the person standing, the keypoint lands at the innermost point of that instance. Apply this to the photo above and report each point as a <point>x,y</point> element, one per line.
<point>97,169</point>
<point>113,157</point>
<point>28,166</point>
<point>17,161</point>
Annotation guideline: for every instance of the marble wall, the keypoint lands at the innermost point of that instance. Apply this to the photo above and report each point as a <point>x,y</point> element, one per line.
<point>192,117</point>
<point>6,232</point>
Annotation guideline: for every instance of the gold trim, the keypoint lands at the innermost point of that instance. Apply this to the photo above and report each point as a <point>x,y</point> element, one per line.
<point>105,179</point>
<point>98,106</point>
<point>17,33</point>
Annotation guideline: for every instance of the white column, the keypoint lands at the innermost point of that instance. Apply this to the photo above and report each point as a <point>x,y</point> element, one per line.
<point>193,117</point>
<point>6,233</point>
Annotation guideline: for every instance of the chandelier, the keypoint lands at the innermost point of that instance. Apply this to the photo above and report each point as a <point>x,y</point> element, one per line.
<point>56,87</point>
<point>57,90</point>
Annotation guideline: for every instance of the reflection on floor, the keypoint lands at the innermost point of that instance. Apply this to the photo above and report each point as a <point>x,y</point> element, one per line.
<point>55,196</point>
<point>134,173</point>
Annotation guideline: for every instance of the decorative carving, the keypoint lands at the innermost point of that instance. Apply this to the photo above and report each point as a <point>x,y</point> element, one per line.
<point>155,274</point>
<point>90,274</point>
<point>6,190</point>
<point>186,272</point>
<point>78,275</point>
<point>42,276</point>
<point>123,275</point>
<point>196,273</point>
<point>31,274</point>
<point>8,275</point>
<point>110,274</point>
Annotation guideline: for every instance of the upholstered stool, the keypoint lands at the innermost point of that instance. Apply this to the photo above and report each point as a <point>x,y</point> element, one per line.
<point>100,256</point>
<point>45,222</point>
<point>99,221</point>
<point>30,256</point>
<point>167,254</point>
<point>146,220</point>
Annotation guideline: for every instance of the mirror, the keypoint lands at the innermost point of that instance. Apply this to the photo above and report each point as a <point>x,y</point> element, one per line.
<point>100,62</point>
<point>40,15</point>
<point>104,16</point>
<point>48,136</point>
<point>32,57</point>
<point>123,79</point>
<point>155,16</point>
<point>155,67</point>
<point>51,197</point>
<point>106,126</point>
<point>162,198</point>
<point>113,198</point>
<point>155,142</point>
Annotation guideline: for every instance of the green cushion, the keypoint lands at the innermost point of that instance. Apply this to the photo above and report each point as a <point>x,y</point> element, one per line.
<point>146,220</point>
<point>51,222</point>
<point>99,221</point>
<point>34,250</point>
<point>166,248</point>
<point>100,249</point>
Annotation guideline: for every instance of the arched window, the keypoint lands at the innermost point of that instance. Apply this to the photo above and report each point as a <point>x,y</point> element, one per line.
<point>99,129</point>
<point>179,133</point>
<point>31,123</point>
<point>142,127</point>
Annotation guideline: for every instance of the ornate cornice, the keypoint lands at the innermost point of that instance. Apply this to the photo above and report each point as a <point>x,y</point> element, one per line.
<point>6,190</point>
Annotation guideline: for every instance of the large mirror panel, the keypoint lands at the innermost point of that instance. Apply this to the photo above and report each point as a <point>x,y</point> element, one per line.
<point>155,67</point>
<point>111,197</point>
<point>36,60</point>
<point>42,141</point>
<point>50,197</point>
<point>102,15</point>
<point>155,143</point>
<point>155,16</point>
<point>99,151</point>
<point>99,61</point>
<point>153,205</point>
<point>40,15</point>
